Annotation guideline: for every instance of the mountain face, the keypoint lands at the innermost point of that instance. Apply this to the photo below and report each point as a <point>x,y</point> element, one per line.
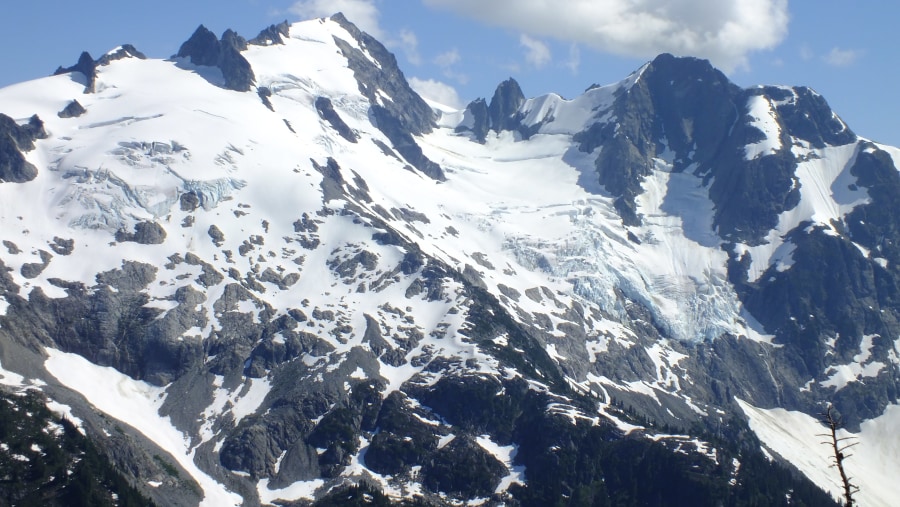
<point>267,272</point>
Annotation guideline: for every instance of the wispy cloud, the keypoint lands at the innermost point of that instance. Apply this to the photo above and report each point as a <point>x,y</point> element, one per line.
<point>574,61</point>
<point>447,58</point>
<point>806,53</point>
<point>537,54</point>
<point>724,31</point>
<point>409,43</point>
<point>437,91</point>
<point>838,57</point>
<point>448,62</point>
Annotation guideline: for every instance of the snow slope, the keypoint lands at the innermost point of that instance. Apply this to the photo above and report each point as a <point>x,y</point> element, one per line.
<point>872,462</point>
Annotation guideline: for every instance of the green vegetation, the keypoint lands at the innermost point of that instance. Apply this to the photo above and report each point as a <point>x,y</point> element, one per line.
<point>45,461</point>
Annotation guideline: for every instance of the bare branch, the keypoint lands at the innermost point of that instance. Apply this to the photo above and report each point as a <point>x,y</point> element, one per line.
<point>833,423</point>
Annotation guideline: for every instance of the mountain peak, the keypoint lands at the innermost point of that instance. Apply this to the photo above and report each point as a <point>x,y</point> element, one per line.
<point>505,104</point>
<point>205,49</point>
<point>202,47</point>
<point>123,51</point>
<point>274,34</point>
<point>379,78</point>
<point>86,66</point>
<point>667,62</point>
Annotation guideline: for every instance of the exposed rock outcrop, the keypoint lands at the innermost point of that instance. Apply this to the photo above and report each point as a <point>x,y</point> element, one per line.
<point>274,34</point>
<point>120,53</point>
<point>326,112</point>
<point>503,111</point>
<point>73,109</point>
<point>87,67</point>
<point>476,120</point>
<point>205,49</point>
<point>145,233</point>
<point>14,140</point>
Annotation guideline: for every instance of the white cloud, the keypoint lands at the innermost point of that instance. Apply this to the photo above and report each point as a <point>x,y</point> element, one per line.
<point>447,62</point>
<point>841,57</point>
<point>362,13</point>
<point>409,43</point>
<point>448,58</point>
<point>537,54</point>
<point>574,61</point>
<point>436,91</point>
<point>724,31</point>
<point>806,53</point>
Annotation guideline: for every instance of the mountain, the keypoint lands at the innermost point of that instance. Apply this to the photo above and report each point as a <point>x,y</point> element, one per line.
<point>266,271</point>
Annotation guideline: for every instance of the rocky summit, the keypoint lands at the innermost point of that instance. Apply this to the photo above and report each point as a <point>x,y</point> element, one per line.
<point>268,272</point>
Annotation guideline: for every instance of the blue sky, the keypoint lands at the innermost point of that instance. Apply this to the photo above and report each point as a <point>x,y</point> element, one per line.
<point>458,50</point>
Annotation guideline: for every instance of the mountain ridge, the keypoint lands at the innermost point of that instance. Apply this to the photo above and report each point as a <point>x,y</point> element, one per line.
<point>340,283</point>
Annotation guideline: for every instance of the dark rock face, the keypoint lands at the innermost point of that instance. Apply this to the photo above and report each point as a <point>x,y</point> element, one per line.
<point>877,225</point>
<point>326,112</point>
<point>332,181</point>
<point>217,236</point>
<point>405,114</point>
<point>478,115</point>
<point>405,105</point>
<point>404,143</point>
<point>463,468</point>
<point>272,35</point>
<point>189,201</point>
<point>236,69</point>
<point>808,117</point>
<point>86,66</point>
<point>72,110</point>
<point>14,140</point>
<point>204,48</point>
<point>682,100</point>
<point>503,111</point>
<point>835,291</point>
<point>264,94</point>
<point>62,246</point>
<point>32,270</point>
<point>126,51</point>
<point>687,107</point>
<point>145,233</point>
<point>109,325</point>
<point>501,115</point>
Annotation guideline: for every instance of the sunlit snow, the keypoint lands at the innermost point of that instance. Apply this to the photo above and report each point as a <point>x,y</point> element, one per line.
<point>798,438</point>
<point>762,117</point>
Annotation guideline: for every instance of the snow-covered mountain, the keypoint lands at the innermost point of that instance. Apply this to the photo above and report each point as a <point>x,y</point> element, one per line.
<point>260,271</point>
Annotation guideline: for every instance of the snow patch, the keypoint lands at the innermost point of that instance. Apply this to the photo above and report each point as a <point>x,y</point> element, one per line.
<point>827,194</point>
<point>843,374</point>
<point>11,379</point>
<point>505,454</point>
<point>65,411</point>
<point>763,117</point>
<point>301,490</point>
